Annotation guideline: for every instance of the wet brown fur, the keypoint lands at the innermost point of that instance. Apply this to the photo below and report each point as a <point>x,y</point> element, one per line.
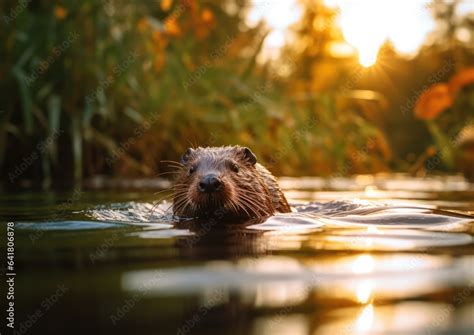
<point>250,192</point>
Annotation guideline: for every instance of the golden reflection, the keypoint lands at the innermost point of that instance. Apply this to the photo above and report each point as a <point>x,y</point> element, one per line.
<point>371,191</point>
<point>369,241</point>
<point>277,281</point>
<point>382,238</point>
<point>398,318</point>
<point>363,264</point>
<point>365,320</point>
<point>367,277</point>
<point>280,294</point>
<point>276,293</point>
<point>373,230</point>
<point>364,291</point>
<point>282,324</point>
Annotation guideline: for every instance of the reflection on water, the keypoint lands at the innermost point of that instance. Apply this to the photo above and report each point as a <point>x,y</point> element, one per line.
<point>364,291</point>
<point>401,318</point>
<point>297,324</point>
<point>282,281</point>
<point>362,239</point>
<point>279,282</point>
<point>363,264</point>
<point>389,262</point>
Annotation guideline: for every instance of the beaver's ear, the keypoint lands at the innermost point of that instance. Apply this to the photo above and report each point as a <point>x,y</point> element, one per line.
<point>187,155</point>
<point>249,156</point>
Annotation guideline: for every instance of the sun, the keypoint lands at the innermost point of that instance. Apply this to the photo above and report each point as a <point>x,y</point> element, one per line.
<point>365,24</point>
<point>368,24</point>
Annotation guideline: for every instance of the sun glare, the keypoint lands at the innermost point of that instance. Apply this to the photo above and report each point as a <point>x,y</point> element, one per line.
<point>367,24</point>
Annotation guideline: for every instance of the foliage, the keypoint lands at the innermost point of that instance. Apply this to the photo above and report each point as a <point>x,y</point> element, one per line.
<point>98,71</point>
<point>114,87</point>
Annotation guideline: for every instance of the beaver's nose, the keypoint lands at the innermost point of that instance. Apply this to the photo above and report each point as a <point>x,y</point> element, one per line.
<point>210,183</point>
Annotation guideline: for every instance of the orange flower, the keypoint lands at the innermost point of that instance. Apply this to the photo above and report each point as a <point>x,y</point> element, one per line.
<point>171,27</point>
<point>459,80</point>
<point>433,101</point>
<point>60,12</point>
<point>165,5</point>
<point>142,24</point>
<point>207,16</point>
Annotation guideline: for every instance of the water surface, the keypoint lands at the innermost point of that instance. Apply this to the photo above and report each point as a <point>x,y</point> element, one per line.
<point>367,255</point>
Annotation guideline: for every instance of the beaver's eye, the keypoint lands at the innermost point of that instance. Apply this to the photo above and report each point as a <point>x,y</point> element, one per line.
<point>192,169</point>
<point>234,167</point>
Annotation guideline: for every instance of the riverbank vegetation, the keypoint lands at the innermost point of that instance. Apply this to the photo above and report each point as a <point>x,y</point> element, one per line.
<point>116,87</point>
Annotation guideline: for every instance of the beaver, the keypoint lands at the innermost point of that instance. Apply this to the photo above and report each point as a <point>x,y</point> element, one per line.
<point>226,183</point>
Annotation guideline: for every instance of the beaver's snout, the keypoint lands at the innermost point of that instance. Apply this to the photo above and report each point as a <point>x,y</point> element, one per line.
<point>210,183</point>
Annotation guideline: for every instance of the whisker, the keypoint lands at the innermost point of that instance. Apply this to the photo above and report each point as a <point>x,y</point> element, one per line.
<point>174,162</point>
<point>245,206</point>
<point>152,209</point>
<point>239,205</point>
<point>180,204</point>
<point>252,205</point>
<point>162,191</point>
<point>252,201</point>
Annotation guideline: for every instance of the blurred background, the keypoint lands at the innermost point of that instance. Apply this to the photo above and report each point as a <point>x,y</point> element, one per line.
<point>329,88</point>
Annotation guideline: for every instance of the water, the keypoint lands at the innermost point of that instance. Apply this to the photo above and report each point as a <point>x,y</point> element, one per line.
<point>372,256</point>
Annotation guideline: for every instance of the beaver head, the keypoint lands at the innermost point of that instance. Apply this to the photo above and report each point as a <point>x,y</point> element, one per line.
<point>221,182</point>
